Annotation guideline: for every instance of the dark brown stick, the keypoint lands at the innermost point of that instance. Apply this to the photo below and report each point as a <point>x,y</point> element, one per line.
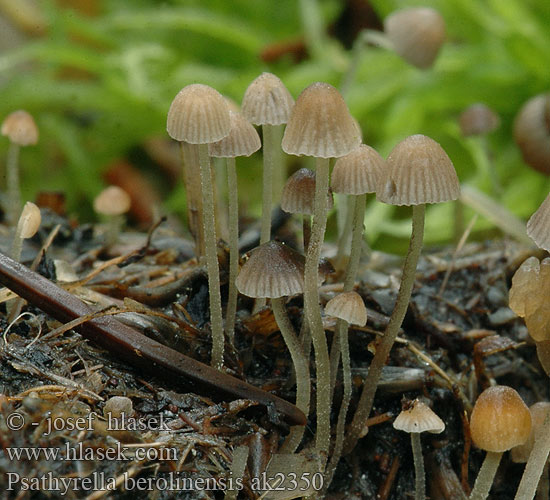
<point>132,346</point>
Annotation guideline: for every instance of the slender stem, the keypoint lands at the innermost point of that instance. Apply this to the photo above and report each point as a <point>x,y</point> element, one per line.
<point>535,464</point>
<point>357,209</point>
<point>312,308</point>
<point>112,232</point>
<point>191,180</point>
<point>343,240</point>
<point>211,258</point>
<point>279,164</point>
<point>306,230</point>
<point>485,477</point>
<point>420,479</point>
<point>301,366</point>
<point>17,242</point>
<point>267,195</point>
<point>384,346</point>
<point>233,247</point>
<point>13,207</point>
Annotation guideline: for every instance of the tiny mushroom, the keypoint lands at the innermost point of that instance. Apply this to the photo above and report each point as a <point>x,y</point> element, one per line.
<point>113,202</point>
<point>499,421</point>
<point>21,130</point>
<point>275,271</point>
<point>416,418</point>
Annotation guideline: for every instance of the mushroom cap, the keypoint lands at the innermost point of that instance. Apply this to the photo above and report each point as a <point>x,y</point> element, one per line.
<point>348,306</point>
<point>500,420</point>
<point>538,226</point>
<point>273,270</point>
<point>417,34</point>
<point>418,417</point>
<point>478,119</point>
<point>320,124</point>
<point>29,220</point>
<point>358,172</point>
<point>532,132</point>
<point>242,140</point>
<point>267,101</point>
<point>299,193</point>
<point>20,128</point>
<point>418,171</point>
<point>112,201</point>
<point>539,411</point>
<point>198,115</point>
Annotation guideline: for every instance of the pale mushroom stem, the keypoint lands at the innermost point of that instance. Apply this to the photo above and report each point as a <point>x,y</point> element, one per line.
<point>357,207</point>
<point>346,231</point>
<point>279,164</point>
<point>231,310</point>
<point>267,195</point>
<point>306,230</point>
<point>211,258</point>
<point>385,344</point>
<point>17,242</point>
<point>535,464</point>
<point>312,308</point>
<point>301,367</point>
<point>420,480</point>
<point>485,477</point>
<point>13,207</point>
<point>114,226</point>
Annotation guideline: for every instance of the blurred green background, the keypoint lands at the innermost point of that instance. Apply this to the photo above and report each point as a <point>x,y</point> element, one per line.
<point>99,76</point>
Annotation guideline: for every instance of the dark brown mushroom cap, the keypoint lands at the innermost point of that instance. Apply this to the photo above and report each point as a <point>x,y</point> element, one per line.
<point>417,34</point>
<point>20,128</point>
<point>242,140</point>
<point>299,193</point>
<point>538,226</point>
<point>320,124</point>
<point>267,101</point>
<point>198,115</point>
<point>418,417</point>
<point>272,270</point>
<point>418,171</point>
<point>348,306</point>
<point>358,172</point>
<point>500,419</point>
<point>478,119</point>
<point>532,132</point>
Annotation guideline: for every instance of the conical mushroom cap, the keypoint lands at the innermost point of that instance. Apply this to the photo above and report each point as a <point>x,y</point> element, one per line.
<point>419,417</point>
<point>273,270</point>
<point>198,115</point>
<point>358,172</point>
<point>348,306</point>
<point>267,101</point>
<point>538,226</point>
<point>500,420</point>
<point>417,34</point>
<point>243,140</point>
<point>320,124</point>
<point>478,119</point>
<point>299,193</point>
<point>532,132</point>
<point>20,128</point>
<point>418,171</point>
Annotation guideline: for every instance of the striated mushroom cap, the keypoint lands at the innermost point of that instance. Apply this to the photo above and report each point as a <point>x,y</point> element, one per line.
<point>29,220</point>
<point>418,171</point>
<point>20,128</point>
<point>418,417</point>
<point>273,270</point>
<point>538,226</point>
<point>243,140</point>
<point>198,115</point>
<point>299,193</point>
<point>532,132</point>
<point>417,34</point>
<point>320,124</point>
<point>112,201</point>
<point>348,306</point>
<point>500,420</point>
<point>358,172</point>
<point>267,101</point>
